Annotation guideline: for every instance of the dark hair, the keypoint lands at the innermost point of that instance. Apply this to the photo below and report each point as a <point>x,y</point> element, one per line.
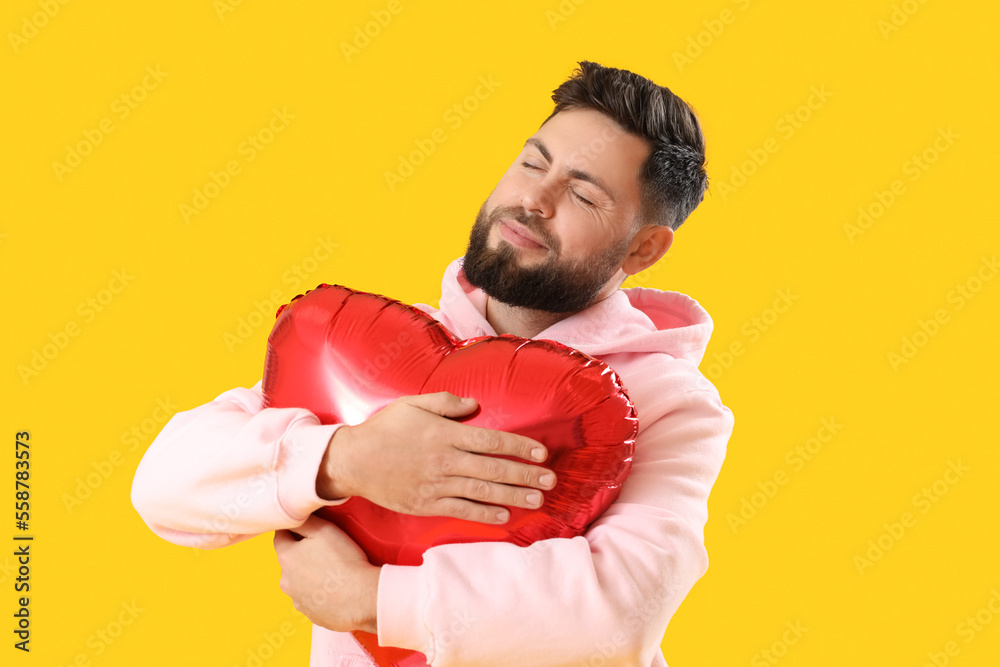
<point>672,181</point>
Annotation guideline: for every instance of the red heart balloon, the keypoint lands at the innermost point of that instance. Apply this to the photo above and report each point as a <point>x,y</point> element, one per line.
<point>345,354</point>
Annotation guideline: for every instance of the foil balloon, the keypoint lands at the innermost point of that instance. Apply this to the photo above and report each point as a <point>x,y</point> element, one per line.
<point>344,354</point>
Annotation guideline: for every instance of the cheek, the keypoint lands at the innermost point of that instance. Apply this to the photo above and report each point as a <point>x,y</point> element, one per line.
<point>586,232</point>
<point>508,187</point>
<point>578,240</point>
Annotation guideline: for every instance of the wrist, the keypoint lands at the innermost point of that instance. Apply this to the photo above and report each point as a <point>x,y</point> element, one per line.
<point>334,479</point>
<point>369,617</point>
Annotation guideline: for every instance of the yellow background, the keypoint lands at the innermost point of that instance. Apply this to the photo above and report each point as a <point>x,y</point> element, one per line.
<point>888,90</point>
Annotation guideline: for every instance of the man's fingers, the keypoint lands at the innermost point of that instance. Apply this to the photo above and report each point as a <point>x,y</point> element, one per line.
<point>490,441</point>
<point>287,537</point>
<point>443,403</point>
<point>482,491</point>
<point>310,526</point>
<point>282,540</point>
<point>470,511</point>
<point>504,471</point>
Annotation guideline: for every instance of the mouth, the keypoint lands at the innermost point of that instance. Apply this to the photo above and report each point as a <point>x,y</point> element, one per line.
<point>518,234</point>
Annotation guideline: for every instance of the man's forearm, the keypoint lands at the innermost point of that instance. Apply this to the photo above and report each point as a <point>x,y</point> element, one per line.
<point>227,470</point>
<point>332,478</point>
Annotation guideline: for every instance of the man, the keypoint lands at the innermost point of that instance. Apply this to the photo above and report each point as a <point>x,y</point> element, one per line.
<point>594,196</point>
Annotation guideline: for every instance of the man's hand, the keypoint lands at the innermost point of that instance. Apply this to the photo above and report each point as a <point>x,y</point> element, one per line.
<point>410,457</point>
<point>328,576</point>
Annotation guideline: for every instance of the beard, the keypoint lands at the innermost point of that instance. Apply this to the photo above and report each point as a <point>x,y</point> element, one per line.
<point>552,285</point>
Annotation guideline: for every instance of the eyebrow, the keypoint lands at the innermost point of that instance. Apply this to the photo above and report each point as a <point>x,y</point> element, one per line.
<point>572,173</point>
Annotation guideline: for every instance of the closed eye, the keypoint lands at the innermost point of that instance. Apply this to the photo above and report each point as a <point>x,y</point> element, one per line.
<point>531,166</point>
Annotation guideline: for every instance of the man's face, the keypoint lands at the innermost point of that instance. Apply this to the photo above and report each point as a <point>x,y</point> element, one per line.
<point>574,190</point>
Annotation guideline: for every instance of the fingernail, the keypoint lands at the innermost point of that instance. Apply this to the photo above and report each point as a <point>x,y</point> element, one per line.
<point>534,498</point>
<point>548,479</point>
<point>502,516</point>
<point>538,454</point>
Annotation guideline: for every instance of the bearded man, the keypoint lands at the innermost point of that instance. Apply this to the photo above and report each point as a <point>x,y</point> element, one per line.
<point>594,196</point>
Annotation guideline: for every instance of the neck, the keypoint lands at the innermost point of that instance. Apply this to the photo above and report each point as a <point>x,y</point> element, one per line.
<point>522,322</point>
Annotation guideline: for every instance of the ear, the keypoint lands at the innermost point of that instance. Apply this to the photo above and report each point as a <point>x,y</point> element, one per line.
<point>649,245</point>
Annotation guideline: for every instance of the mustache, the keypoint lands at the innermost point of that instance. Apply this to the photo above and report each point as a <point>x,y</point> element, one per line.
<point>529,220</point>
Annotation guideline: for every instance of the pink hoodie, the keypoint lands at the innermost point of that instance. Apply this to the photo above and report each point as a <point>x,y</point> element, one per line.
<point>228,470</point>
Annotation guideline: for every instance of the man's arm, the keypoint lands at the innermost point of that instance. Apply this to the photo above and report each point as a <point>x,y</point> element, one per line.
<point>228,470</point>
<point>328,576</point>
<point>608,594</point>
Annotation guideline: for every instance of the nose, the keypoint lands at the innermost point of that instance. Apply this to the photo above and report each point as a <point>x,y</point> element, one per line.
<point>536,196</point>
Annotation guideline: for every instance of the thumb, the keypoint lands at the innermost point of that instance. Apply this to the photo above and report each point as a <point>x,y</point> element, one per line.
<point>310,526</point>
<point>446,404</point>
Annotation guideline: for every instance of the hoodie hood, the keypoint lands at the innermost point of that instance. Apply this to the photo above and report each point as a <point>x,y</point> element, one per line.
<point>633,320</point>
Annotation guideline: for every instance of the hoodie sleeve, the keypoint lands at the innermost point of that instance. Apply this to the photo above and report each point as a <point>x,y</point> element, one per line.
<point>228,470</point>
<point>608,594</point>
